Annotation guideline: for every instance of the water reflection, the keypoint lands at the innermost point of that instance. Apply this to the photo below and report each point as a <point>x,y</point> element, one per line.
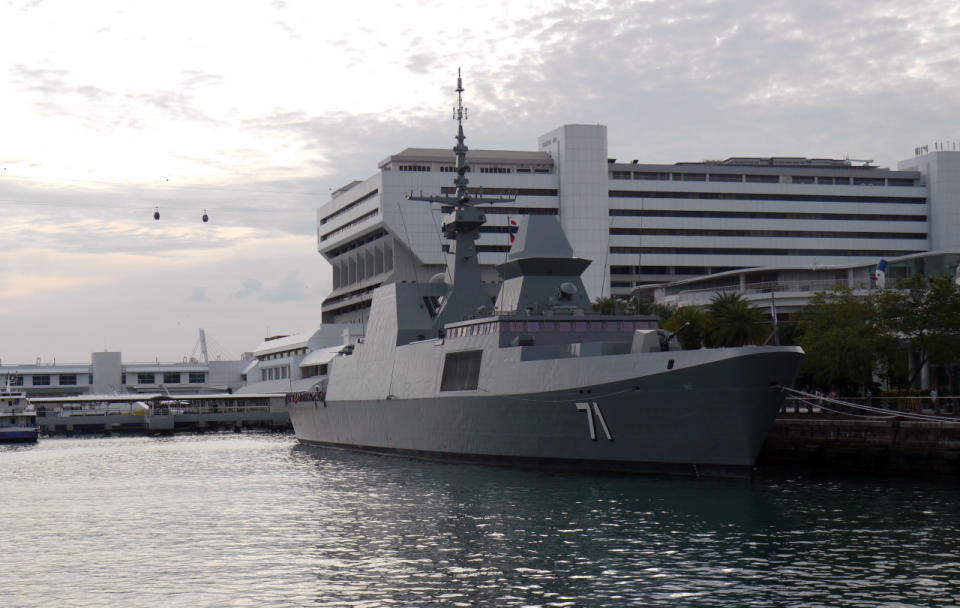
<point>258,520</point>
<point>524,537</point>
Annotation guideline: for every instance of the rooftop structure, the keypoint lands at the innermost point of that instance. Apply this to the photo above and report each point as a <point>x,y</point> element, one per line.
<point>791,288</point>
<point>295,363</point>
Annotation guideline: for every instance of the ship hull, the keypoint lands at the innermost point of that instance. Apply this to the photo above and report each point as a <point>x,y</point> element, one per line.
<point>19,435</point>
<point>710,418</point>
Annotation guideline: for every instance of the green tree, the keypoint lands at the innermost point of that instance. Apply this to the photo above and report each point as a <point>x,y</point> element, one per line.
<point>635,305</point>
<point>605,306</point>
<point>840,339</point>
<point>923,314</point>
<point>698,326</point>
<point>735,321</point>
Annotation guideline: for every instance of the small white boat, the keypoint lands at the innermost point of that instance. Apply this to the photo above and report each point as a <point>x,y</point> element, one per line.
<point>18,419</point>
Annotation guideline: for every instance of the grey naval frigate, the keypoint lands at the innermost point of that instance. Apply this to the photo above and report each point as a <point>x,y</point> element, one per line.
<point>523,372</point>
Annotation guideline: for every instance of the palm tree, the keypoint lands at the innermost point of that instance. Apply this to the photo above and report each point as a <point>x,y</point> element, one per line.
<point>735,321</point>
<point>698,326</point>
<point>646,306</point>
<point>605,306</point>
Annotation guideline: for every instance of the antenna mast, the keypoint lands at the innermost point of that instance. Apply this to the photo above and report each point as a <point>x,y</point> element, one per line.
<point>462,225</point>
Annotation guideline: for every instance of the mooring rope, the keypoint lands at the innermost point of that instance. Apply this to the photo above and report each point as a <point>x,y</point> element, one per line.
<point>868,408</point>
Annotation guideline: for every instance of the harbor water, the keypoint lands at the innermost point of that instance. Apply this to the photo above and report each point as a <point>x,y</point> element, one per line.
<point>258,520</point>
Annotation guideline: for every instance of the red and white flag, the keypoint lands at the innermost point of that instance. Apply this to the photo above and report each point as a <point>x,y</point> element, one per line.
<point>512,226</point>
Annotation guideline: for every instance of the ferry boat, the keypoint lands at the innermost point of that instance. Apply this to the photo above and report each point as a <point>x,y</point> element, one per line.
<point>18,418</point>
<point>524,372</point>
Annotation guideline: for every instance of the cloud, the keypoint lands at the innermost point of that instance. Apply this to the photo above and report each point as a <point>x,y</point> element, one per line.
<point>199,295</point>
<point>290,288</point>
<point>190,116</point>
<point>697,79</point>
<point>250,286</point>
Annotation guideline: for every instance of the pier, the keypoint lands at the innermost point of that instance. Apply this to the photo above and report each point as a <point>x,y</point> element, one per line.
<point>160,414</point>
<point>918,435</point>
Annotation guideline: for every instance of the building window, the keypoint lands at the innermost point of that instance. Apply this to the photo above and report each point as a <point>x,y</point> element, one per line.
<point>348,207</point>
<point>763,179</point>
<point>802,179</point>
<point>621,175</point>
<point>651,176</point>
<point>420,168</point>
<point>15,380</point>
<point>171,378</point>
<point>68,379</point>
<point>899,182</point>
<point>145,378</point>
<point>90,378</point>
<point>766,196</point>
<point>461,371</point>
<point>41,380</point>
<point>198,377</point>
<point>725,177</point>
<point>495,170</point>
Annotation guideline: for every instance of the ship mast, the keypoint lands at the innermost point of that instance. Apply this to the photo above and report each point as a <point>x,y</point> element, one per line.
<point>462,225</point>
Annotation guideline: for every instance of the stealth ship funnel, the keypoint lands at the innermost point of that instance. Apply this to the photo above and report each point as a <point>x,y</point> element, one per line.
<point>540,274</point>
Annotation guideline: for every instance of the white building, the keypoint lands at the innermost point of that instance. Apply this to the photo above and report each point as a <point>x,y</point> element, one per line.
<point>785,290</point>
<point>295,363</point>
<point>106,374</point>
<point>639,223</point>
<point>282,364</point>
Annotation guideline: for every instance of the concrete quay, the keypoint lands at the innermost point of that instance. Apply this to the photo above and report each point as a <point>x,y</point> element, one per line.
<point>881,445</point>
<point>161,424</point>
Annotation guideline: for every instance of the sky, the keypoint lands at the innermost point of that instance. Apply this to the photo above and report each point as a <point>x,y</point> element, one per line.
<point>255,111</point>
